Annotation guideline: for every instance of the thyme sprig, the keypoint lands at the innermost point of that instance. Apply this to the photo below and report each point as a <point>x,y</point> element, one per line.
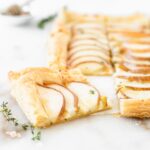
<point>7,113</point>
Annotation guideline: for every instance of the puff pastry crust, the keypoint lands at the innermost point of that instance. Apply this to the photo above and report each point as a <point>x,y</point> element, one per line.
<point>49,96</point>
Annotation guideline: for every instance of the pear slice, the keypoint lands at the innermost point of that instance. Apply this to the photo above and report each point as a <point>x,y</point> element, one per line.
<point>53,102</point>
<point>85,53</point>
<point>137,46</point>
<point>88,96</point>
<point>134,92</point>
<point>90,36</point>
<point>87,59</point>
<point>86,48</point>
<point>134,69</point>
<point>90,26</point>
<point>78,43</point>
<point>70,99</point>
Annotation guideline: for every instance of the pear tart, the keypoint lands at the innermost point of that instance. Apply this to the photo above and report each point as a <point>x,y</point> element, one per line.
<point>48,97</point>
<point>81,43</point>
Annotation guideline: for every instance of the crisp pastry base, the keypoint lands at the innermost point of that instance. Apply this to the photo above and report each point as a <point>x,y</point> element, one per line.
<point>135,108</point>
<point>41,110</point>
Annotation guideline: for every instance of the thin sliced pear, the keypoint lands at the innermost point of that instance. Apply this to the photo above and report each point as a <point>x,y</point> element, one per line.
<point>53,102</point>
<point>134,69</point>
<point>88,48</point>
<point>132,78</point>
<point>86,59</point>
<point>89,53</point>
<point>78,43</point>
<point>89,26</point>
<point>134,92</point>
<point>137,46</point>
<point>87,95</point>
<point>70,98</point>
<point>90,36</point>
<point>138,56</point>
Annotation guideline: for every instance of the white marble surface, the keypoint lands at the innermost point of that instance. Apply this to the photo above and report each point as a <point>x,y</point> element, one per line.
<point>24,46</point>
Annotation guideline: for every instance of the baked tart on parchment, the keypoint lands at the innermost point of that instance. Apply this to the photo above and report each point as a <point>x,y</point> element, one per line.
<point>49,96</point>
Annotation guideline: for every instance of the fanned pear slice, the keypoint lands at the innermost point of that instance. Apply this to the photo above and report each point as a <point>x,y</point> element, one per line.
<point>53,102</point>
<point>85,53</point>
<point>88,96</point>
<point>87,59</point>
<point>131,68</point>
<point>70,99</point>
<point>90,26</point>
<point>90,36</point>
<point>137,46</point>
<point>134,92</point>
<point>78,43</point>
<point>87,48</point>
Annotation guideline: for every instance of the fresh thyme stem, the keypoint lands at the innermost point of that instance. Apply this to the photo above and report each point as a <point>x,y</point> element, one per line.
<point>7,113</point>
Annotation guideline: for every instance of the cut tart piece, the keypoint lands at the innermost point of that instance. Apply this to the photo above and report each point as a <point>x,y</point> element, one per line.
<point>80,42</point>
<point>49,96</point>
<point>132,52</point>
<point>133,90</point>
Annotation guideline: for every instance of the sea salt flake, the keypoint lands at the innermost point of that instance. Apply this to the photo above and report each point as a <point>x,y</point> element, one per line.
<point>13,134</point>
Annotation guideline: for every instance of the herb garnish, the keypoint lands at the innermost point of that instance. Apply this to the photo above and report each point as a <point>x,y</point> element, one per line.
<point>42,22</point>
<point>91,92</point>
<point>36,134</point>
<point>7,113</point>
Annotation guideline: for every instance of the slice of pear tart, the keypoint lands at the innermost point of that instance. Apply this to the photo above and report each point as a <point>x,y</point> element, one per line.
<point>48,97</point>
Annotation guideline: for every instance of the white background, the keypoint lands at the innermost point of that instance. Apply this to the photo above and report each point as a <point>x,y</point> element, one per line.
<point>23,46</point>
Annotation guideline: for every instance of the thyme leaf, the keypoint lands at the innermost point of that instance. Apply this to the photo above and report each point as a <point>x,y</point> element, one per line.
<point>36,134</point>
<point>92,92</point>
<point>41,23</point>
